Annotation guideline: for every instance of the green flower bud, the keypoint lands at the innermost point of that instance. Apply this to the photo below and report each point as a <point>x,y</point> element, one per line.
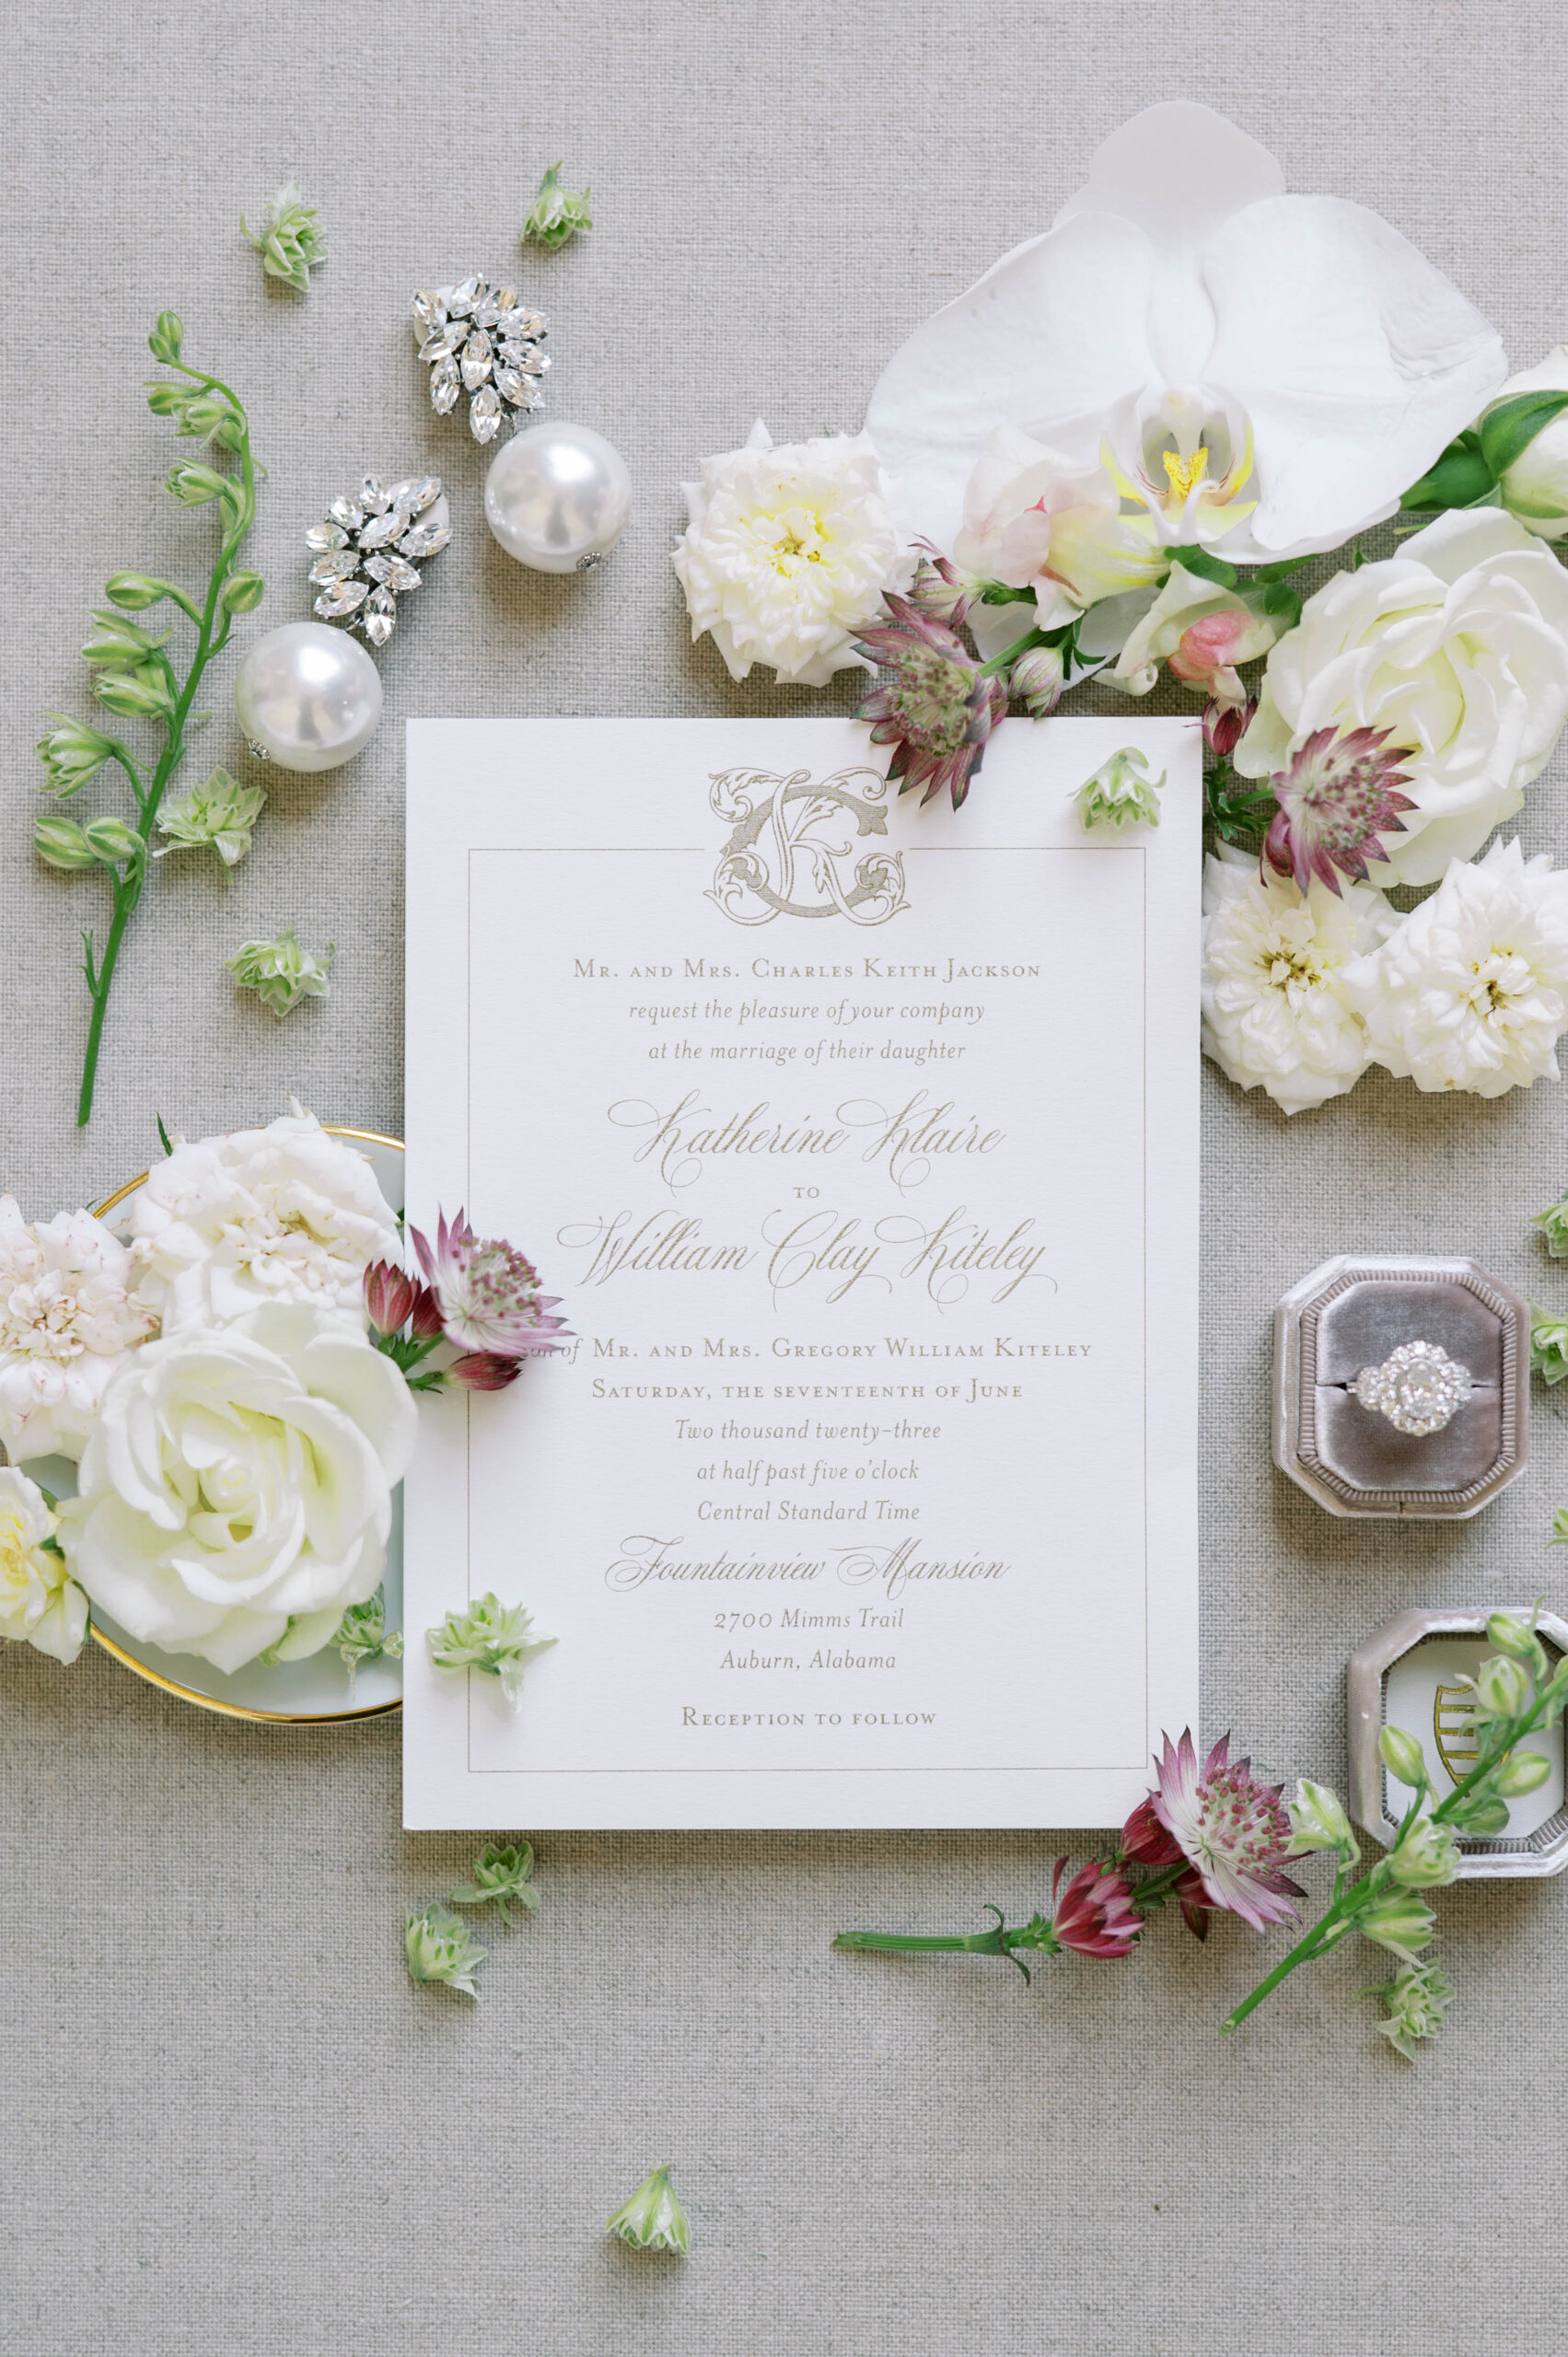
<point>202,414</point>
<point>1038,679</point>
<point>1398,1921</point>
<point>1502,1687</point>
<point>652,2219</point>
<point>229,435</point>
<point>112,840</point>
<point>165,399</point>
<point>1319,1822</point>
<point>1549,1344</point>
<point>1404,1757</point>
<point>438,1948</point>
<point>1424,1855</point>
<point>290,242</point>
<point>280,972</point>
<point>490,1636</point>
<point>142,693</point>
<point>1479,1814</point>
<point>117,641</point>
<point>61,844</point>
<point>243,592</point>
<point>72,753</point>
<point>167,337</point>
<point>1553,1224</point>
<point>558,213</point>
<point>1521,1772</point>
<point>501,1874</point>
<point>194,484</point>
<point>134,590</point>
<point>219,814</point>
<point>1414,2003</point>
<point>1516,1638</point>
<point>1120,793</point>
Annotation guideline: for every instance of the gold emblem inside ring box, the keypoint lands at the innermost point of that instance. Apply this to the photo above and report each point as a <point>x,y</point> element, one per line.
<point>1363,1314</point>
<point>1411,1674</point>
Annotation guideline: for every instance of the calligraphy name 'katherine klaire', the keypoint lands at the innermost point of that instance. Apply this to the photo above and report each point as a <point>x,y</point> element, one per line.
<point>905,1139</point>
<point>834,1249</point>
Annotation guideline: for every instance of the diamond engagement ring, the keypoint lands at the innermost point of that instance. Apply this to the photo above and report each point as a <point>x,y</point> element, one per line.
<point>1418,1388</point>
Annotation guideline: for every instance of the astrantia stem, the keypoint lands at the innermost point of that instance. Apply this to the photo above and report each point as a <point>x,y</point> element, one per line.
<point>213,620</point>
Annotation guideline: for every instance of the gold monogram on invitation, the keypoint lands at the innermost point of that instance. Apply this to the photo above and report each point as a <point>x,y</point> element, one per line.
<point>794,847</point>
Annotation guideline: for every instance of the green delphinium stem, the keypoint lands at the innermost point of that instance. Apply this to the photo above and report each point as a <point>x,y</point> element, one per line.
<point>213,623</point>
<point>1339,1918</point>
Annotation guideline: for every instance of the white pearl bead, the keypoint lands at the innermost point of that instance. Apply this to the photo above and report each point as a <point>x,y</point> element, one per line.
<point>309,696</point>
<point>557,497</point>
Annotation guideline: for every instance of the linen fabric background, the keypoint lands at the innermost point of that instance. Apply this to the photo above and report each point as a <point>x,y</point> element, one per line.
<point>230,2123</point>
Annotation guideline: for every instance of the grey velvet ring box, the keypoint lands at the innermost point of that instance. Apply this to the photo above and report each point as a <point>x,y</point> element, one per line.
<point>1349,1314</point>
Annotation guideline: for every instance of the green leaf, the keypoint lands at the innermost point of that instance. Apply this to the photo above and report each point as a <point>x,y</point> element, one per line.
<point>1461,477</point>
<point>167,337</point>
<point>1507,431</point>
<point>164,1139</point>
<point>1281,603</point>
<point>1206,566</point>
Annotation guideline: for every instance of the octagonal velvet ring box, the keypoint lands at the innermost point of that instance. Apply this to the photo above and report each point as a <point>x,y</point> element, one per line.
<point>1351,1313</point>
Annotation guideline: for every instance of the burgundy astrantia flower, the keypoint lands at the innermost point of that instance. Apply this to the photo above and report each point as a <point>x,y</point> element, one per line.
<point>1145,1842</point>
<point>484,1371</point>
<point>939,589</point>
<point>1093,1916</point>
<point>1338,795</point>
<point>488,1294</point>
<point>1224,725</point>
<point>1232,1832</point>
<point>938,709</point>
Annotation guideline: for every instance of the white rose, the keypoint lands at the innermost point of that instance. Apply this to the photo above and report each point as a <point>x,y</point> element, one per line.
<point>1459,649</point>
<point>1471,992</point>
<point>69,1323</point>
<point>788,553</point>
<point>39,1604</point>
<point>284,1214</point>
<point>239,1481</point>
<point>1535,488</point>
<point>1277,1014</point>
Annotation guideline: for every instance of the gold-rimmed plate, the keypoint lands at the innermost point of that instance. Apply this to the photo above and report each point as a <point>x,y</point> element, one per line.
<point>297,1693</point>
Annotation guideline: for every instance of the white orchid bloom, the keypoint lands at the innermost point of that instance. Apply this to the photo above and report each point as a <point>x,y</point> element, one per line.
<point>1261,373</point>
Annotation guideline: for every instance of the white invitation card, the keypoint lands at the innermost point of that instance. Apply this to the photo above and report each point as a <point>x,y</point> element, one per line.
<point>861,1143</point>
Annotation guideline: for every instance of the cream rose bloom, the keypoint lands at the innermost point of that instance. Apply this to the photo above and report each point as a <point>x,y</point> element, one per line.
<point>1277,1012</point>
<point>788,551</point>
<point>1459,648</point>
<point>284,1214</point>
<point>1471,992</point>
<point>39,1604</point>
<point>236,1492</point>
<point>69,1324</point>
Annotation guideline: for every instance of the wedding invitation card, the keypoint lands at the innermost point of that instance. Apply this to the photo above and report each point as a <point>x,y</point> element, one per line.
<point>861,1144</point>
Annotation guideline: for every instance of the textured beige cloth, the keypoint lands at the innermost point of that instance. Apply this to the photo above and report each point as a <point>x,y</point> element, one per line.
<point>230,2124</point>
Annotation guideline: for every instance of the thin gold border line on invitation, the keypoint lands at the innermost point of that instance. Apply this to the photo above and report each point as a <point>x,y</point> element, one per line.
<point>1112,1768</point>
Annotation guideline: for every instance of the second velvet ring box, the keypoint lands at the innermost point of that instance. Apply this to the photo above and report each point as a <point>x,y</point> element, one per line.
<point>1351,1313</point>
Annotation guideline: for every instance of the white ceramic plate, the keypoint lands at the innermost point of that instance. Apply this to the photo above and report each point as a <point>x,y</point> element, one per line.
<point>294,1693</point>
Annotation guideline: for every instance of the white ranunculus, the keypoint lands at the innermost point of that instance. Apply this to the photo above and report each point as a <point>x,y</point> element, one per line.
<point>1268,373</point>
<point>69,1323</point>
<point>1458,647</point>
<point>284,1214</point>
<point>1277,1014</point>
<point>1471,992</point>
<point>236,1493</point>
<point>40,1603</point>
<point>1535,488</point>
<point>788,551</point>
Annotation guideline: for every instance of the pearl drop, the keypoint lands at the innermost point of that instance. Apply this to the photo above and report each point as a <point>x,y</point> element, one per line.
<point>557,497</point>
<point>309,697</point>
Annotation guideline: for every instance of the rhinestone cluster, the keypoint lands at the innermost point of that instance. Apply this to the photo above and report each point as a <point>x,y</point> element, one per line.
<point>1418,1388</point>
<point>365,547</point>
<point>478,338</point>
